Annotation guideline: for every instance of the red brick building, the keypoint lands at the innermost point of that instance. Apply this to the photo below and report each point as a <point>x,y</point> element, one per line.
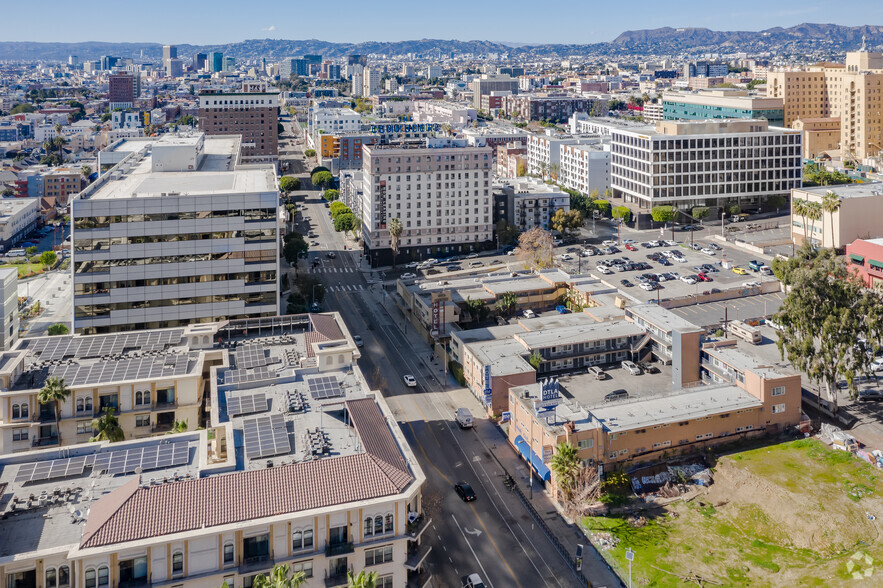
<point>864,257</point>
<point>252,114</point>
<point>121,91</point>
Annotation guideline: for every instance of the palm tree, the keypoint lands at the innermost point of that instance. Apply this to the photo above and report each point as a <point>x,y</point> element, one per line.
<point>566,465</point>
<point>507,302</point>
<point>56,392</point>
<point>179,427</point>
<point>395,231</point>
<point>815,213</point>
<point>59,141</point>
<point>363,580</point>
<point>799,208</point>
<point>830,203</point>
<point>278,578</point>
<point>107,427</point>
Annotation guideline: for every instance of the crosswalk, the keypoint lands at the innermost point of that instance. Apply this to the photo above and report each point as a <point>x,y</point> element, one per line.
<point>333,270</point>
<point>347,288</point>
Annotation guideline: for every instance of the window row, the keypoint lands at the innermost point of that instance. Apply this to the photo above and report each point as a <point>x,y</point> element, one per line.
<point>104,265</point>
<point>249,214</point>
<point>93,310</point>
<point>98,244</point>
<point>20,411</point>
<point>105,287</point>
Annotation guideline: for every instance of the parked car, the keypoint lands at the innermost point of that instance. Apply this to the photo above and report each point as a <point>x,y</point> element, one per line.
<point>603,269</point>
<point>471,256</point>
<point>626,283</point>
<point>740,270</point>
<point>708,251</point>
<point>410,381</point>
<point>464,491</point>
<point>597,373</point>
<point>867,395</point>
<point>689,280</point>
<point>630,247</point>
<point>616,395</point>
<point>631,368</point>
<point>528,313</point>
<point>715,246</point>
<point>409,276</point>
<point>453,267</point>
<point>648,286</point>
<point>703,277</point>
<point>608,243</point>
<point>628,241</point>
<point>695,246</point>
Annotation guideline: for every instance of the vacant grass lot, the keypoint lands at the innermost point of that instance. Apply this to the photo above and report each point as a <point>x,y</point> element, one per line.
<point>794,514</point>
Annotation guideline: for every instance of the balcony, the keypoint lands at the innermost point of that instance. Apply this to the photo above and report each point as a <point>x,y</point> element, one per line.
<point>255,563</point>
<point>162,427</point>
<point>338,549</point>
<point>158,405</point>
<point>417,556</point>
<point>44,441</point>
<point>415,529</point>
<point>134,583</point>
<point>335,578</point>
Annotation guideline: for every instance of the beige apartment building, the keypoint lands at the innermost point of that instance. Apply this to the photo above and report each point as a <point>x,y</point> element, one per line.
<point>300,464</point>
<point>861,208</point>
<point>820,135</point>
<point>850,91</point>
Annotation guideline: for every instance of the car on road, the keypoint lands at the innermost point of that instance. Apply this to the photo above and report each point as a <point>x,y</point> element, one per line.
<point>616,395</point>
<point>412,264</point>
<point>472,581</point>
<point>464,491</point>
<point>626,283</point>
<point>631,368</point>
<point>740,270</point>
<point>331,255</point>
<point>357,339</point>
<point>475,264</point>
<point>471,256</point>
<point>453,267</point>
<point>409,276</point>
<point>867,395</point>
<point>648,286</point>
<point>410,381</point>
<point>708,251</point>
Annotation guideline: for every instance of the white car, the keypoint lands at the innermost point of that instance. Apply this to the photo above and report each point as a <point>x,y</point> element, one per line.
<point>608,243</point>
<point>604,270</point>
<point>649,287</point>
<point>680,258</point>
<point>668,253</point>
<point>410,381</point>
<point>471,256</point>
<point>566,257</point>
<point>628,241</point>
<point>528,313</point>
<point>655,243</point>
<point>511,252</point>
<point>409,276</point>
<point>750,284</point>
<point>715,246</point>
<point>670,243</point>
<point>708,251</point>
<point>877,365</point>
<point>631,368</point>
<point>472,581</point>
<point>688,280</point>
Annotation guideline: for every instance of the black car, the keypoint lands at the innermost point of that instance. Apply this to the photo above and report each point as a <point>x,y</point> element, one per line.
<point>616,395</point>
<point>464,491</point>
<point>331,255</point>
<point>453,267</point>
<point>626,283</point>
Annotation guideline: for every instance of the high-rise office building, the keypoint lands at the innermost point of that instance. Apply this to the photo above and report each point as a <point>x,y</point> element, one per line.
<point>199,61</point>
<point>441,193</point>
<point>176,232</point>
<point>108,62</point>
<point>357,60</point>
<point>169,52</point>
<point>252,113</point>
<point>229,64</point>
<point>370,80</point>
<point>174,67</point>
<point>216,61</point>
<point>850,91</point>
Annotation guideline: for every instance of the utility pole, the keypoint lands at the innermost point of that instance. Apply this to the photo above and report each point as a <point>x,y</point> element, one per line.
<point>723,220</point>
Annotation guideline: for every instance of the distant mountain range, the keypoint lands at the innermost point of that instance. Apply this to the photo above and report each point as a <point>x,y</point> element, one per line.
<point>802,38</point>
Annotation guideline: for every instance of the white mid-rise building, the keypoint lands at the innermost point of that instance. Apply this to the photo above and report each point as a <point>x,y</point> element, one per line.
<point>9,296</point>
<point>544,153</point>
<point>334,121</point>
<point>440,191</point>
<point>532,202</point>
<point>18,218</point>
<point>371,81</point>
<point>177,232</point>
<point>438,111</point>
<point>585,168</point>
<point>692,163</point>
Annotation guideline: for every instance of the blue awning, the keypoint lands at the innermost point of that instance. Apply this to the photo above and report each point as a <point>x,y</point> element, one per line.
<point>535,460</point>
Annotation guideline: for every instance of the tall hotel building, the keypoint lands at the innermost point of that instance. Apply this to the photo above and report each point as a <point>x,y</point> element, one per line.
<point>252,113</point>
<point>176,232</point>
<point>441,194</point>
<point>692,163</point>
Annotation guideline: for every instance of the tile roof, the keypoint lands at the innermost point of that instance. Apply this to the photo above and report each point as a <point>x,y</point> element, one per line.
<point>132,513</point>
<point>327,325</point>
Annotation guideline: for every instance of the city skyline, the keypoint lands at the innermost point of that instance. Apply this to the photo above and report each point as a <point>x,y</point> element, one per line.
<point>416,21</point>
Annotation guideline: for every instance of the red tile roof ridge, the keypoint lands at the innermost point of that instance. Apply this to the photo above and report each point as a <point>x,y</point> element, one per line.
<point>107,506</point>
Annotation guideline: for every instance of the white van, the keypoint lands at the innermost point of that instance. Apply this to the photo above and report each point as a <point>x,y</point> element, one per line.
<point>597,373</point>
<point>17,253</point>
<point>464,418</point>
<point>528,313</point>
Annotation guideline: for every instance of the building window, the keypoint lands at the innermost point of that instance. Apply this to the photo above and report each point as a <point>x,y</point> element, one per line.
<point>778,390</point>
<point>585,443</point>
<point>142,420</point>
<point>389,523</point>
<point>133,570</point>
<point>177,562</point>
<point>228,553</point>
<point>84,427</point>
<point>777,408</point>
<point>142,398</point>
<point>20,434</point>
<point>305,566</point>
<point>378,556</point>
<point>103,576</point>
<point>378,525</point>
<point>90,578</point>
<point>302,539</point>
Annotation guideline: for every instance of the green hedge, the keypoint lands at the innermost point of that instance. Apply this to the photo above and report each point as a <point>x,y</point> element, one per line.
<point>457,371</point>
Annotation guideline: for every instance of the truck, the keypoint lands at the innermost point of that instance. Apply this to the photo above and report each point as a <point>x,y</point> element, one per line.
<point>755,265</point>
<point>839,438</point>
<point>464,418</point>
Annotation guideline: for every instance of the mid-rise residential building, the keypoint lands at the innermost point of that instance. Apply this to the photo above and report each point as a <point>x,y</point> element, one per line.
<point>177,232</point>
<point>252,113</point>
<point>18,219</point>
<point>721,103</point>
<point>544,153</point>
<point>437,111</point>
<point>692,163</point>
<point>495,135</point>
<point>123,89</point>
<point>849,91</point>
<point>62,183</point>
<point>486,84</point>
<point>857,218</point>
<point>511,160</point>
<point>9,321</point>
<point>371,80</point>
<point>333,121</point>
<point>345,489</point>
<point>584,167</point>
<point>440,190</point>
<point>550,107</point>
<point>707,69</point>
<point>532,202</point>
<point>653,112</point>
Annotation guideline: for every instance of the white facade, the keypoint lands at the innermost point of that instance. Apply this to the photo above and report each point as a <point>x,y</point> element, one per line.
<point>166,248</point>
<point>121,119</point>
<point>18,217</point>
<point>534,202</point>
<point>691,163</point>
<point>544,153</point>
<point>9,295</point>
<point>437,111</point>
<point>585,168</point>
<point>357,85</point>
<point>442,195</point>
<point>370,81</point>
<point>334,121</point>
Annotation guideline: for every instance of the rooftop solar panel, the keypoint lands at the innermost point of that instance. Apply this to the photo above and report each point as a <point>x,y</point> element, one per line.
<point>324,387</point>
<point>247,404</point>
<point>265,436</point>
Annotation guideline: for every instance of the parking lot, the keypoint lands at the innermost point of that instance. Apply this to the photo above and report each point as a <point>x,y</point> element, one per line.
<point>680,263</point>
<point>588,391</point>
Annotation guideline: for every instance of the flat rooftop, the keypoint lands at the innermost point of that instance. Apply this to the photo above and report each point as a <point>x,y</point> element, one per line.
<point>847,191</point>
<point>742,359</point>
<point>662,318</point>
<point>576,334</point>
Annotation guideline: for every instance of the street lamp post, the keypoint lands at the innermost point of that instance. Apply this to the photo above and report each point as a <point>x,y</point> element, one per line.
<point>630,557</point>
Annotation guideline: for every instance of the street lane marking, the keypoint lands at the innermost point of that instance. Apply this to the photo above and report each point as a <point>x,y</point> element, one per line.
<point>483,571</point>
<point>494,543</point>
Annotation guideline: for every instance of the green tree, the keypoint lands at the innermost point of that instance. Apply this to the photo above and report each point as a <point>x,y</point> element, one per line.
<point>664,213</point>
<point>331,195</point>
<point>566,464</point>
<point>321,179</point>
<point>48,258</point>
<point>776,201</point>
<point>107,427</point>
<point>295,246</point>
<point>395,231</point>
<point>566,222</point>
<point>815,213</point>
<point>106,117</point>
<point>602,205</point>
<point>337,207</point>
<point>800,207</point>
<point>507,303</point>
<point>345,222</point>
<point>56,392</point>
<point>535,248</point>
<point>362,580</point>
<point>622,212</point>
<point>733,209</point>
<point>535,359</point>
<point>32,250</point>
<point>700,212</point>
<point>478,309</point>
<point>830,204</point>
<point>319,168</point>
<point>179,427</point>
<point>824,312</point>
<point>279,578</point>
<point>507,234</point>
<point>57,329</point>
<point>521,168</point>
<point>310,153</point>
<point>21,108</point>
<point>289,184</point>
<point>86,171</point>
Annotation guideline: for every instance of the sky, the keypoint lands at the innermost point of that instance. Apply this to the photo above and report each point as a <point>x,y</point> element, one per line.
<point>200,22</point>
